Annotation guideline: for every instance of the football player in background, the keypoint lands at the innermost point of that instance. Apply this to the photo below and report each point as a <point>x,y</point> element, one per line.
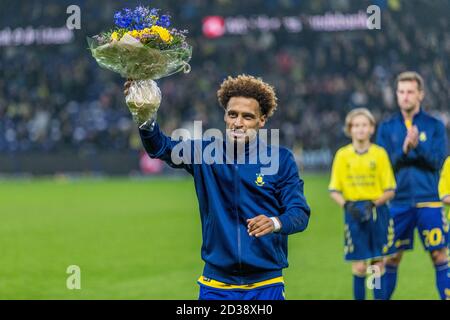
<point>362,182</point>
<point>417,146</point>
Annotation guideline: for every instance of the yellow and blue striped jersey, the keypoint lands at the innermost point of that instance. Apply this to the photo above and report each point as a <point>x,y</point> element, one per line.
<point>363,176</point>
<point>444,182</point>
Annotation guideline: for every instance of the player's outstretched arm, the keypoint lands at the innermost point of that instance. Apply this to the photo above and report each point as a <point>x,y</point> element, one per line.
<point>158,145</point>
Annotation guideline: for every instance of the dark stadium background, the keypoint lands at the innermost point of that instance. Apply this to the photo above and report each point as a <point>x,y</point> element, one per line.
<point>59,112</point>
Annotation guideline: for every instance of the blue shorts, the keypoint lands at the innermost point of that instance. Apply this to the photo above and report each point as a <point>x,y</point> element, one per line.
<point>430,222</point>
<point>370,239</point>
<point>272,292</point>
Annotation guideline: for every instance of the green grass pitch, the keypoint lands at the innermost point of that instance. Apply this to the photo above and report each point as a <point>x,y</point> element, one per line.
<point>140,239</point>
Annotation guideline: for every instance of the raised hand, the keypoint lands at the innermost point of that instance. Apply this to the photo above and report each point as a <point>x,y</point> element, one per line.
<point>411,140</point>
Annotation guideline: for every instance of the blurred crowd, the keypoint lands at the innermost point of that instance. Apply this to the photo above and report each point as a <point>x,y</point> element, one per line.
<point>56,98</point>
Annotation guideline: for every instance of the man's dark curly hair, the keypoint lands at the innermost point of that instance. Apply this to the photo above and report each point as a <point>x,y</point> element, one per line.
<point>248,87</point>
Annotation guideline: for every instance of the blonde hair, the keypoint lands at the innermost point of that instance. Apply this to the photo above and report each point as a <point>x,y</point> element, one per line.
<point>354,113</point>
<point>411,76</point>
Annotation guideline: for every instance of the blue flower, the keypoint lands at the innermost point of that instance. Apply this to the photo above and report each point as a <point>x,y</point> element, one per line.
<point>123,18</point>
<point>142,11</point>
<point>154,12</point>
<point>141,18</point>
<point>163,21</point>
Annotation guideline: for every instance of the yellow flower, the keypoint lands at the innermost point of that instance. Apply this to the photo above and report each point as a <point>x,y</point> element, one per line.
<point>163,33</point>
<point>115,36</point>
<point>134,33</point>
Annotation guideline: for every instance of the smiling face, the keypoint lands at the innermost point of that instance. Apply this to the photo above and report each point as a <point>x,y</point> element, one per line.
<point>361,128</point>
<point>243,119</point>
<point>409,96</point>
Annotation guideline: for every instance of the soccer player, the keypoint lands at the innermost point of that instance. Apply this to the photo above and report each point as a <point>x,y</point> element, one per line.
<point>246,216</point>
<point>444,183</point>
<point>417,146</point>
<point>362,182</point>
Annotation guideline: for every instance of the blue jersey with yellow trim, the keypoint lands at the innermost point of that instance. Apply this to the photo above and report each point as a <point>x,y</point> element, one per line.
<point>228,195</point>
<point>416,173</point>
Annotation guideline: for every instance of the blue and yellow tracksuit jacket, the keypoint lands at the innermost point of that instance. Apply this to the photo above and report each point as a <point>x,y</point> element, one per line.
<point>229,194</point>
<point>416,173</point>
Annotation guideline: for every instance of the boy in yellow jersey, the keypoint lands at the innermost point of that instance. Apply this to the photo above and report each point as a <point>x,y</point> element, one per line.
<point>362,182</point>
<point>444,183</point>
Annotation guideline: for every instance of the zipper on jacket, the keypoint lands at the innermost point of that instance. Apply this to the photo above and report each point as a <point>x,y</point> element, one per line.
<point>410,178</point>
<point>411,188</point>
<point>236,204</point>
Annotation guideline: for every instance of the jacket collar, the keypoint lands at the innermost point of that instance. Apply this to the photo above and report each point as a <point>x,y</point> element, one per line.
<point>417,115</point>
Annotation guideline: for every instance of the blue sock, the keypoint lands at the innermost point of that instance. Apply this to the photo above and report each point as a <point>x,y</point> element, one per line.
<point>389,280</point>
<point>442,280</point>
<point>359,287</point>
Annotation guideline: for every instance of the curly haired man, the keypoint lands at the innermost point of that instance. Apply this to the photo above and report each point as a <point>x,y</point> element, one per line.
<point>246,215</point>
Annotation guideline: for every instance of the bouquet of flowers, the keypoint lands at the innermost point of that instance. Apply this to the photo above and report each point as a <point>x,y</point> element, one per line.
<point>142,48</point>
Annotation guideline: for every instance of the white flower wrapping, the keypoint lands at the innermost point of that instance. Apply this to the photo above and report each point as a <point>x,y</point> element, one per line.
<point>144,96</point>
<point>143,100</point>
